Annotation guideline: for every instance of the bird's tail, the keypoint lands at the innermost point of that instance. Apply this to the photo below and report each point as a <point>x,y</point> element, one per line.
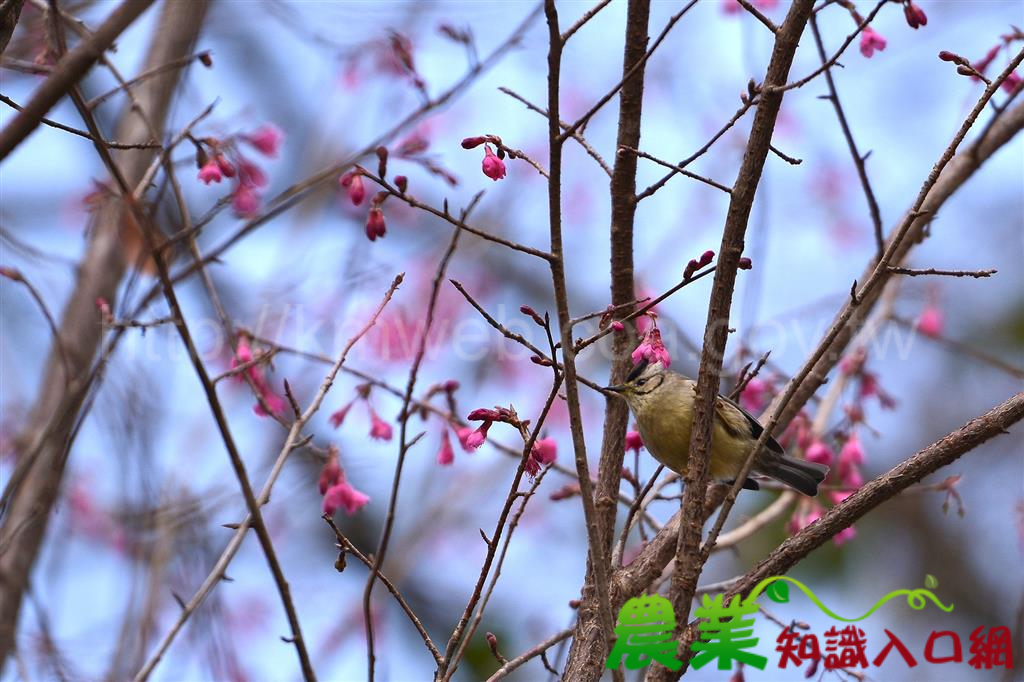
<point>798,474</point>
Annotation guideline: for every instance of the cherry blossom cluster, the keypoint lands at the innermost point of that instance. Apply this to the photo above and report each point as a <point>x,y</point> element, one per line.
<point>379,429</point>
<point>244,356</point>
<point>871,41</point>
<point>352,183</point>
<point>543,452</point>
<point>219,158</point>
<point>337,492</point>
<point>732,7</point>
<point>390,56</point>
<point>493,164</point>
<point>976,70</point>
<point>651,347</point>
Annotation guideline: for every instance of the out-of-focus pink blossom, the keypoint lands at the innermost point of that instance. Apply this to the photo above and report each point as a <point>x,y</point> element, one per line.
<point>379,429</point>
<point>251,174</point>
<point>852,453</point>
<point>375,226</point>
<point>854,412</point>
<point>493,167</point>
<point>331,473</point>
<point>274,402</point>
<point>982,64</point>
<point>476,438</point>
<point>633,441</point>
<point>353,182</point>
<point>266,139</point>
<point>338,416</point>
<point>652,349</point>
<point>852,363</point>
<point>565,492</point>
<point>733,7</point>
<point>805,514</point>
<point>210,172</point>
<point>754,393</point>
<point>820,453</point>
<point>226,167</point>
<point>869,387</point>
<point>871,40</point>
<point>463,433</point>
<point>930,322</point>
<point>1011,82</point>
<point>618,326</point>
<point>245,201</point>
<point>445,456</point>
<point>545,451</point>
<point>844,535</point>
<point>343,496</point>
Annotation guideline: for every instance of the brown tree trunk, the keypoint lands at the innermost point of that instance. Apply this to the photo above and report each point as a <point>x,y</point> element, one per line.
<point>44,444</point>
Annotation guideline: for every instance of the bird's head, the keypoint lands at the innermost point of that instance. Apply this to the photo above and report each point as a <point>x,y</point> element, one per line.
<point>641,385</point>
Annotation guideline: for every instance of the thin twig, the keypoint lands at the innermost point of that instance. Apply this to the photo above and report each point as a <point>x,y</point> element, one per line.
<point>403,442</point>
<point>587,16</point>
<point>576,135</point>
<point>677,169</point>
<point>859,160</point>
<point>912,272</point>
<point>81,133</point>
<point>349,547</point>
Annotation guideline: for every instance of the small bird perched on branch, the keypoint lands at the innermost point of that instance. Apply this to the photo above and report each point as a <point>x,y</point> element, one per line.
<point>662,402</point>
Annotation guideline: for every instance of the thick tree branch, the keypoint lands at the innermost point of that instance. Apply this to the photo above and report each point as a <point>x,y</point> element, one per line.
<point>589,647</point>
<point>68,72</point>
<point>689,562</point>
<point>43,443</point>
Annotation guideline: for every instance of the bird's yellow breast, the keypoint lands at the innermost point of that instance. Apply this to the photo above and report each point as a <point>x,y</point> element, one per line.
<point>666,434</point>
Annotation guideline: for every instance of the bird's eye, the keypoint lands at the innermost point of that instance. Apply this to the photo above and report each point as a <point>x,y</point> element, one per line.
<point>641,382</point>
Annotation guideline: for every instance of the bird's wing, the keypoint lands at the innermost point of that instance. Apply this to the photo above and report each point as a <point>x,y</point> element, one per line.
<point>731,415</point>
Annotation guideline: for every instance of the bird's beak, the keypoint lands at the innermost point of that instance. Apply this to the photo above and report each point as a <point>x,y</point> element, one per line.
<point>618,388</point>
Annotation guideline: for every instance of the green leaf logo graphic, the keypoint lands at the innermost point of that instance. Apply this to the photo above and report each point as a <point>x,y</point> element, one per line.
<point>778,591</point>
<point>930,582</point>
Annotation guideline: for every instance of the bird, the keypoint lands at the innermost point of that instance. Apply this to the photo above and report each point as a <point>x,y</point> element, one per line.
<point>663,403</point>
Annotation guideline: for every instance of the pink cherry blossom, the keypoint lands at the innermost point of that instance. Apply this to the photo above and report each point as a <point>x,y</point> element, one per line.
<point>493,167</point>
<point>652,349</point>
<point>1011,82</point>
<point>379,429</point>
<point>375,226</point>
<point>266,139</point>
<point>806,514</point>
<point>274,402</point>
<point>353,182</point>
<point>251,174</point>
<point>545,450</point>
<point>445,456</point>
<point>871,40</point>
<point>852,453</point>
<point>463,433</point>
<point>844,535</point>
<point>476,438</point>
<point>245,201</point>
<point>339,415</point>
<point>754,393</point>
<point>343,496</point>
<point>820,453</point>
<point>226,167</point>
<point>210,172</point>
<point>633,441</point>
<point>331,472</point>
